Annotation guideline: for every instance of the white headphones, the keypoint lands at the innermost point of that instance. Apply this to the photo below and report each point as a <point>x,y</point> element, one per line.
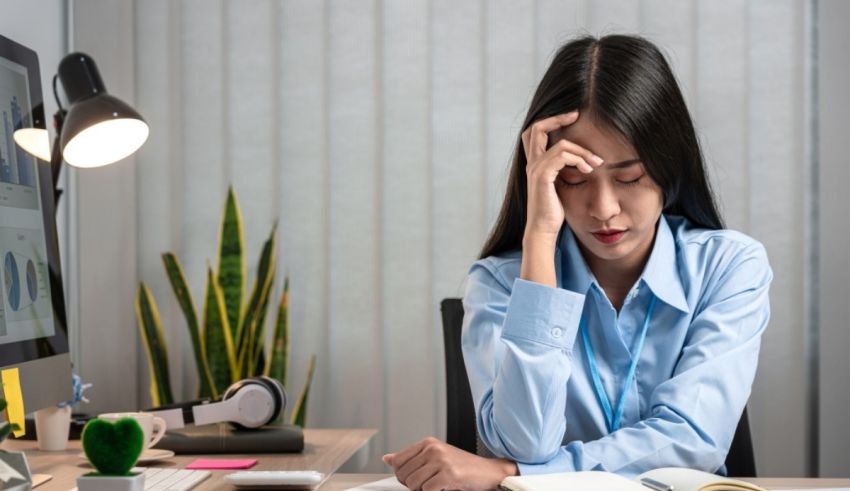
<point>249,403</point>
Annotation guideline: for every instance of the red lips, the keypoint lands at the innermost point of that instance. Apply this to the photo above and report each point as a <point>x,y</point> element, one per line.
<point>609,236</point>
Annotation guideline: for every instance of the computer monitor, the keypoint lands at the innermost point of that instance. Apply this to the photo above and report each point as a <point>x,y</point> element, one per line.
<point>33,329</point>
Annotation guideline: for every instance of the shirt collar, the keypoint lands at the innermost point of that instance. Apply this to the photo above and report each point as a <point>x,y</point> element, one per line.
<point>576,276</point>
<point>661,272</point>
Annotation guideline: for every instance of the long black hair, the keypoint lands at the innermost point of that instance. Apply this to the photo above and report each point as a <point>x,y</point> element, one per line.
<point>624,83</point>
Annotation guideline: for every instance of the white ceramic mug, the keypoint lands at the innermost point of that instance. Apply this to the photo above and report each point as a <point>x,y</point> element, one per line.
<point>153,427</point>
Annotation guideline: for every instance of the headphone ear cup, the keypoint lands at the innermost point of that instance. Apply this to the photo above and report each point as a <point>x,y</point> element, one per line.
<point>276,393</point>
<point>230,392</point>
<point>279,393</point>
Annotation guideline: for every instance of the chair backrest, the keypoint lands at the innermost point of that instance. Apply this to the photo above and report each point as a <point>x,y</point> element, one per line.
<point>460,410</point>
<point>741,459</point>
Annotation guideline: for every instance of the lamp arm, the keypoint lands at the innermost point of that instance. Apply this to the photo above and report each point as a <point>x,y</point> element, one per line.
<point>56,157</point>
<point>56,153</point>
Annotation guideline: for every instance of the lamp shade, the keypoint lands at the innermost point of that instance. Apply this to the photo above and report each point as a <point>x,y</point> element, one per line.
<point>99,128</point>
<point>34,141</point>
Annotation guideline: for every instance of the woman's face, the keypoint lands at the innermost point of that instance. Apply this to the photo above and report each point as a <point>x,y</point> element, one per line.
<point>613,210</point>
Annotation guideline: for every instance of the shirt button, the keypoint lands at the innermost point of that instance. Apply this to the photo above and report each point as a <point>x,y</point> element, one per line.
<point>557,332</point>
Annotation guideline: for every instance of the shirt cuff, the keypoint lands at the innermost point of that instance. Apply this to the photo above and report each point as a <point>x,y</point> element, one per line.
<point>542,314</point>
<point>560,463</point>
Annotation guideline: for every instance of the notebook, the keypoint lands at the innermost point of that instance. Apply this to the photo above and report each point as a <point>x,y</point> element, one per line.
<point>663,479</point>
<point>212,439</point>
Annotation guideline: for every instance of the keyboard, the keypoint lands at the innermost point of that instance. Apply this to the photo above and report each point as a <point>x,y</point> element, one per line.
<point>170,479</point>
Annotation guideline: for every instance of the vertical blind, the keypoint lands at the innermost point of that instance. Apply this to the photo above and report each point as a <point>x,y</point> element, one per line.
<point>378,134</point>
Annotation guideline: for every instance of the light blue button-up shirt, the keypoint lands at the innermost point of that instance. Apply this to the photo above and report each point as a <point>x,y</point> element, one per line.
<point>534,398</point>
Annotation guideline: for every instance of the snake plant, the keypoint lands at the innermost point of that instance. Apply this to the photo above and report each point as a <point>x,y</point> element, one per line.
<point>229,339</point>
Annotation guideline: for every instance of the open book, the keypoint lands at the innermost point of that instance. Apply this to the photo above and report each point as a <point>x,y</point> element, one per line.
<point>664,479</point>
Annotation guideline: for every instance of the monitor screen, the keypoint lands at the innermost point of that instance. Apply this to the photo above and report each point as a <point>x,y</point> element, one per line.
<point>32,309</point>
<point>25,305</point>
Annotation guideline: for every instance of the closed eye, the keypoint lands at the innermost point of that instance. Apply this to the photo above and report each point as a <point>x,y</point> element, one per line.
<point>571,184</point>
<point>631,182</point>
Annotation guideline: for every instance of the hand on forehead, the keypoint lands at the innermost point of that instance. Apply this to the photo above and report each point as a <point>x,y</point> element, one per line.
<point>602,140</point>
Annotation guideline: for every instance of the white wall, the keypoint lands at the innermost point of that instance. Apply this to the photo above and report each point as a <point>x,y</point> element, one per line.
<point>831,156</point>
<point>102,225</point>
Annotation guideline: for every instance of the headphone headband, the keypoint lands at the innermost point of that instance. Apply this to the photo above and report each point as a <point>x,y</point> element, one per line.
<point>248,403</point>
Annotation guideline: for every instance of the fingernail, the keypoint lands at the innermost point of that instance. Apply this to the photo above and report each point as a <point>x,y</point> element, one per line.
<point>597,159</point>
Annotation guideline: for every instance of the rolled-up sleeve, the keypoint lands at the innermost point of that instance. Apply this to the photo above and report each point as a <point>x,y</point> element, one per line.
<point>517,346</point>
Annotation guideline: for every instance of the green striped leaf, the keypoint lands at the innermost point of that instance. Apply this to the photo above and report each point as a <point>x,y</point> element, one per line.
<point>277,365</point>
<point>259,336</point>
<point>258,358</point>
<point>184,298</point>
<point>231,261</point>
<point>150,327</point>
<point>253,319</point>
<point>299,412</point>
<point>218,341</point>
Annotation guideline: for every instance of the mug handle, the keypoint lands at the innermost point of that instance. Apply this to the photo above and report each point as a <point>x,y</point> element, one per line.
<point>157,432</point>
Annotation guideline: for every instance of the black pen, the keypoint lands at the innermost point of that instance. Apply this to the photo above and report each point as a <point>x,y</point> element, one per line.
<point>653,484</point>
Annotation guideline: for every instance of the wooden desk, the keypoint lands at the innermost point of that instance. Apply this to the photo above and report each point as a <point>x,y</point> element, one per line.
<point>325,450</point>
<point>340,482</point>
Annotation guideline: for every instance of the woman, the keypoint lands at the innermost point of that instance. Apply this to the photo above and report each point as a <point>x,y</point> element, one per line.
<point>611,323</point>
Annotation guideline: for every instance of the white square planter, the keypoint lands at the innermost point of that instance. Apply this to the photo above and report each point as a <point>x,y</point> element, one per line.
<point>88,482</point>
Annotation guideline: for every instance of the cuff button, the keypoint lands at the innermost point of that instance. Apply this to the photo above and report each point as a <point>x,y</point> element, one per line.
<point>557,332</point>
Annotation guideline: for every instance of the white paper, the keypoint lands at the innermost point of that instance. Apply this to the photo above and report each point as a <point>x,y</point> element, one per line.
<point>388,484</point>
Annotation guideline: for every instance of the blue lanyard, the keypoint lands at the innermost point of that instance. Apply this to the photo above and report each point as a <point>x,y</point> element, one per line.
<point>613,420</point>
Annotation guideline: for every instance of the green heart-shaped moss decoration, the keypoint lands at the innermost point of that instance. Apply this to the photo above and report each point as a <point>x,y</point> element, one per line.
<point>113,448</point>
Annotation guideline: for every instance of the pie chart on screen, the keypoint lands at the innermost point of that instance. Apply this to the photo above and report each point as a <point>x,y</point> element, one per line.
<point>20,280</point>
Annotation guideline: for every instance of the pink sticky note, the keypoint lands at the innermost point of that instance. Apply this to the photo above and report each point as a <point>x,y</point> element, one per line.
<point>222,464</point>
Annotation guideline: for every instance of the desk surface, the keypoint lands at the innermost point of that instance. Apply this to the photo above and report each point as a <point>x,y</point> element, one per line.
<point>340,482</point>
<point>325,450</point>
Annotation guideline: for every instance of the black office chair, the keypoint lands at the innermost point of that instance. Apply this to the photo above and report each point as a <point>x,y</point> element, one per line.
<point>461,432</point>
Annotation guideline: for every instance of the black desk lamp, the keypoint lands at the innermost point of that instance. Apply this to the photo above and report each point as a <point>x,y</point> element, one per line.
<point>96,129</point>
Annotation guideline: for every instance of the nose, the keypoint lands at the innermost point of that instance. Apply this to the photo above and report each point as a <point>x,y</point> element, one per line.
<point>604,204</point>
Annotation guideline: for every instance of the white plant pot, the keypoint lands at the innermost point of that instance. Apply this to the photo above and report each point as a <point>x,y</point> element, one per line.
<point>52,426</point>
<point>88,482</point>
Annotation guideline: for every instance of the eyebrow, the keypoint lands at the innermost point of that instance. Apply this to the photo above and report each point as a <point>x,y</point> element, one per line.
<point>622,164</point>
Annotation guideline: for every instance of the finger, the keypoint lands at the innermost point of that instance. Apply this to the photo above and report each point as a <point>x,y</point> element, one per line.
<point>410,467</point>
<point>588,156</point>
<point>524,135</point>
<point>556,158</point>
<point>539,135</point>
<point>388,459</point>
<point>400,458</point>
<point>566,159</point>
<point>437,482</point>
<point>422,475</point>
